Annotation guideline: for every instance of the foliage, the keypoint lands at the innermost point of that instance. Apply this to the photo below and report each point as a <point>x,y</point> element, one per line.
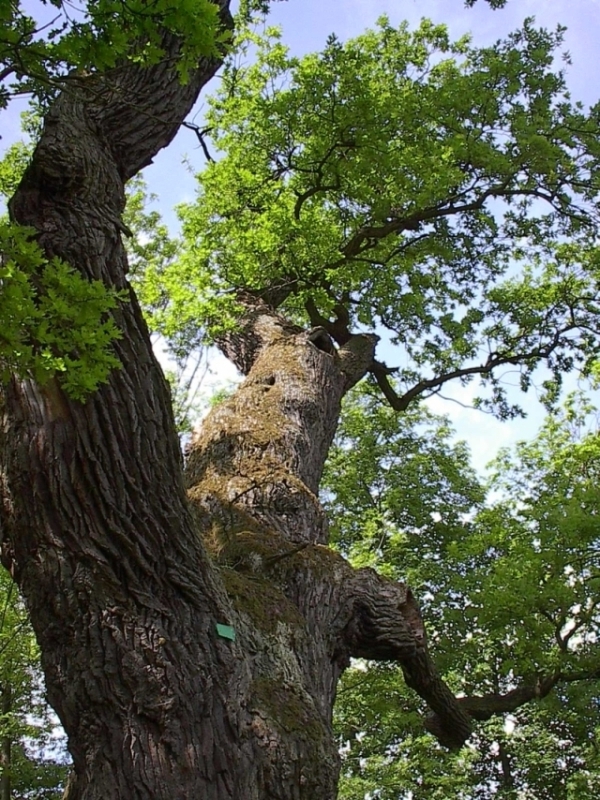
<point>151,251</point>
<point>509,594</point>
<point>491,3</point>
<point>404,181</point>
<point>42,51</point>
<point>392,480</point>
<point>37,763</point>
<point>12,166</point>
<point>53,320</point>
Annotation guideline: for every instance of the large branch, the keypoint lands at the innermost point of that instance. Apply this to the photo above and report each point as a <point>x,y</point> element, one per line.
<point>259,327</point>
<point>145,106</point>
<point>385,624</point>
<point>368,235</point>
<point>483,707</point>
<point>401,402</point>
<point>339,330</point>
<point>363,615</point>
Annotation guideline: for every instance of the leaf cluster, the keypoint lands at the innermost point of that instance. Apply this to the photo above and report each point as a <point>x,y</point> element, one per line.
<point>54,322</point>
<point>508,587</point>
<point>42,49</point>
<point>405,181</point>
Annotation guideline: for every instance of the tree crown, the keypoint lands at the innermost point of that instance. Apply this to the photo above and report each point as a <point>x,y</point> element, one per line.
<point>406,182</point>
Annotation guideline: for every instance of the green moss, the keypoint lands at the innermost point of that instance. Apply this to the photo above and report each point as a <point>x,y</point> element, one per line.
<point>288,709</point>
<point>262,601</point>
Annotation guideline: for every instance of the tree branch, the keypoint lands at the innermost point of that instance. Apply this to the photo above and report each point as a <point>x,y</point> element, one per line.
<point>319,186</point>
<point>6,72</point>
<point>401,402</point>
<point>304,196</point>
<point>139,109</point>
<point>339,328</point>
<point>371,233</point>
<point>486,706</point>
<point>483,707</point>
<point>384,623</point>
<point>200,134</point>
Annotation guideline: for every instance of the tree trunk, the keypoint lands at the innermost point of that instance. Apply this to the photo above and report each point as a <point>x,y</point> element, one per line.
<point>124,595</point>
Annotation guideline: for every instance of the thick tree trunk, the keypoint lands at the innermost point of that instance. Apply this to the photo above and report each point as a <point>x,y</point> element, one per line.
<point>253,471</point>
<point>96,528</point>
<point>95,524</point>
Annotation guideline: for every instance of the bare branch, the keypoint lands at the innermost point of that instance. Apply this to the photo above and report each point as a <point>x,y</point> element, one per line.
<point>200,133</point>
<point>401,402</point>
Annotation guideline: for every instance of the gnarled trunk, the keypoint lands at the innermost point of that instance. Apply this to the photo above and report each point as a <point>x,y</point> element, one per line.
<point>125,596</point>
<point>253,471</point>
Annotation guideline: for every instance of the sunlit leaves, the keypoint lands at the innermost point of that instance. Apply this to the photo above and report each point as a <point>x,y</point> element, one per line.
<point>409,179</point>
<point>12,166</point>
<point>53,321</point>
<point>393,484</point>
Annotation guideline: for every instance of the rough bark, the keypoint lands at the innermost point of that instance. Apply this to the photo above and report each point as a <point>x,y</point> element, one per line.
<point>253,471</point>
<point>94,520</point>
<point>124,595</point>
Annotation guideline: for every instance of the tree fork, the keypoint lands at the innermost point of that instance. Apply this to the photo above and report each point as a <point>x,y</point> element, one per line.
<point>96,528</point>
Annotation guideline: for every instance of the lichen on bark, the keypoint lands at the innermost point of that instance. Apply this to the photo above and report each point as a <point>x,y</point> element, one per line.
<point>254,467</point>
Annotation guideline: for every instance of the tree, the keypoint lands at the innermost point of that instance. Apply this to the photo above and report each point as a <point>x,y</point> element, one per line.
<point>29,768</point>
<point>509,600</point>
<point>192,642</point>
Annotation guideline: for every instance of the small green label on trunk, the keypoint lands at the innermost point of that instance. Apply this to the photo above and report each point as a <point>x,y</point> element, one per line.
<point>226,631</point>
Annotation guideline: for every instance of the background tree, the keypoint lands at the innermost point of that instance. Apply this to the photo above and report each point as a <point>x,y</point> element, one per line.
<point>509,598</point>
<point>30,757</point>
<point>185,665</point>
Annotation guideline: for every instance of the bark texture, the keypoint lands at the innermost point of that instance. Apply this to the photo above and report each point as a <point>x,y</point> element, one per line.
<point>94,520</point>
<point>253,471</point>
<point>95,525</point>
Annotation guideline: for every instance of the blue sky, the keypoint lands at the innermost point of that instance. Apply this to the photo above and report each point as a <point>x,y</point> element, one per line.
<point>306,25</point>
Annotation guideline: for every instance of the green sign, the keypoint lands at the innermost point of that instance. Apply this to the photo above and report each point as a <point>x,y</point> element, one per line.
<point>226,631</point>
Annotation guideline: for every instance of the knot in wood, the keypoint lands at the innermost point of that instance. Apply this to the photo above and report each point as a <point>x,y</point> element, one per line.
<point>321,340</point>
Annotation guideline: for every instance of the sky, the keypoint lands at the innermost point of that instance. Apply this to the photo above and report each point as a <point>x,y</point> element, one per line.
<point>306,25</point>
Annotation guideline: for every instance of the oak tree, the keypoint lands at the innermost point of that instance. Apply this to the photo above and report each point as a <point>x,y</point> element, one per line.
<point>192,619</point>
